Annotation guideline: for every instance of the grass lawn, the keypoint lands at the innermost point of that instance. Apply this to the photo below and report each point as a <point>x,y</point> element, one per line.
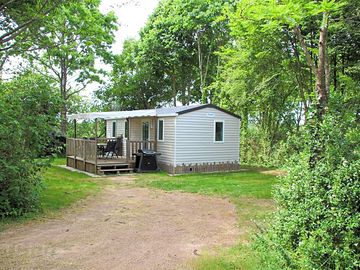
<point>249,190</point>
<point>64,187</point>
<point>233,184</point>
<point>61,189</point>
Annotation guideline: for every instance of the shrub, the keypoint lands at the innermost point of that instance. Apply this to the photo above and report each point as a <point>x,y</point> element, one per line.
<point>28,114</point>
<point>318,222</point>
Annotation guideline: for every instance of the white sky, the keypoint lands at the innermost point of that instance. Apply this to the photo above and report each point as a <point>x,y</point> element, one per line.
<point>132,16</point>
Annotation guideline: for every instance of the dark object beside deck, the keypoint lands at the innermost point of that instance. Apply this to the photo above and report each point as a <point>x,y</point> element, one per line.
<point>146,161</point>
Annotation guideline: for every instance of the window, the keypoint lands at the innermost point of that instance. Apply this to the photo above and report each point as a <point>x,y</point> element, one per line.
<point>160,130</point>
<point>145,131</point>
<point>219,131</point>
<point>114,129</point>
<point>126,129</point>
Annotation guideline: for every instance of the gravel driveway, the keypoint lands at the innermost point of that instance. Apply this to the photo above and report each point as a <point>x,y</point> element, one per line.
<point>124,227</point>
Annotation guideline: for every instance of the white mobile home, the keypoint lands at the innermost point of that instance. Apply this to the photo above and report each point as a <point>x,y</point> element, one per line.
<point>194,138</point>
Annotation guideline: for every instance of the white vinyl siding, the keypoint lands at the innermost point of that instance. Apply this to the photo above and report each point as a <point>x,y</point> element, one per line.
<point>120,130</point>
<point>195,141</point>
<point>135,128</point>
<point>166,147</point>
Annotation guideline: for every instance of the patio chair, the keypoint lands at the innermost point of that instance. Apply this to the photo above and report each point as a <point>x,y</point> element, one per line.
<point>110,148</point>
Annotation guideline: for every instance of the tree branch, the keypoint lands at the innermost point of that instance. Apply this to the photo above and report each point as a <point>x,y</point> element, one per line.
<point>308,58</point>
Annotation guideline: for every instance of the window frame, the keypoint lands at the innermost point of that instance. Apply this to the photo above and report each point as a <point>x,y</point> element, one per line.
<point>142,130</point>
<point>113,129</point>
<point>223,131</point>
<point>158,130</point>
<point>126,129</point>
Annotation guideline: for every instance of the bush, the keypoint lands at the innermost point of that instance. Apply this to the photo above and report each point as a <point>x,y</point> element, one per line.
<point>28,114</point>
<point>318,222</point>
<point>256,148</point>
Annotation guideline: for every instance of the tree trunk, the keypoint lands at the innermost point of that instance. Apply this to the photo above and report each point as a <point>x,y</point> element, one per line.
<point>322,85</point>
<point>63,90</point>
<point>201,73</point>
<point>173,85</point>
<point>322,72</point>
<point>335,72</point>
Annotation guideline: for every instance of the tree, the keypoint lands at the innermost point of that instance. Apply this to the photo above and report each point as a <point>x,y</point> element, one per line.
<point>73,37</point>
<point>29,108</point>
<point>19,19</point>
<point>181,39</point>
<point>317,224</point>
<point>134,84</point>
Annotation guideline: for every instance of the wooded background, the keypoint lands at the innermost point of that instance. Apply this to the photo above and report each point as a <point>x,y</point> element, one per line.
<point>290,68</point>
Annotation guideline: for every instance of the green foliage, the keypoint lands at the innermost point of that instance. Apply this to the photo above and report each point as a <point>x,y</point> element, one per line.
<point>175,57</point>
<point>134,84</point>
<point>266,78</point>
<point>318,224</point>
<point>28,115</point>
<point>19,21</point>
<point>61,188</point>
<point>73,37</point>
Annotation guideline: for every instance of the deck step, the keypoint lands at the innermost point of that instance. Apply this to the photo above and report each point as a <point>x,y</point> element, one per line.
<point>116,170</point>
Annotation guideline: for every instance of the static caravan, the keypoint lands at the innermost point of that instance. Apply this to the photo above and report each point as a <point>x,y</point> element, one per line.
<point>194,138</point>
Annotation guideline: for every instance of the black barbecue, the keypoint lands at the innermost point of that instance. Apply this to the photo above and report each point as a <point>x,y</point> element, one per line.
<point>146,161</point>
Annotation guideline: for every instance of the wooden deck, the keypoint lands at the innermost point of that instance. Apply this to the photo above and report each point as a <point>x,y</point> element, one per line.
<point>102,166</point>
<point>104,161</point>
<point>85,155</point>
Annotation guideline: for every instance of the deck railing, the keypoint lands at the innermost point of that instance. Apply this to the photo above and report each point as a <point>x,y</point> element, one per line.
<point>84,149</point>
<point>87,149</point>
<point>134,146</point>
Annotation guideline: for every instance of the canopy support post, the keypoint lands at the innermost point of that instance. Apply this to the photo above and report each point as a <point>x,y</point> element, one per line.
<point>96,144</point>
<point>128,141</point>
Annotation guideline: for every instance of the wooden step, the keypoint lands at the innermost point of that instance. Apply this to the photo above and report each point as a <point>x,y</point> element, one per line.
<point>116,170</point>
<point>114,165</point>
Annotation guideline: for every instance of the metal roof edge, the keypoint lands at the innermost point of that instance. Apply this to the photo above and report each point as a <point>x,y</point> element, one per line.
<point>209,106</point>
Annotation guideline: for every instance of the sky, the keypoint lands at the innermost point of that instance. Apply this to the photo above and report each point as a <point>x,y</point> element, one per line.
<point>132,16</point>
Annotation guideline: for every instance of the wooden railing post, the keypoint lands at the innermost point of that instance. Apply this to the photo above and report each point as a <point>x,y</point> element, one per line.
<point>127,150</point>
<point>84,150</point>
<point>75,135</point>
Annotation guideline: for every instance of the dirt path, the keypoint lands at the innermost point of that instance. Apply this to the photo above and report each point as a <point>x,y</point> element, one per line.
<point>123,228</point>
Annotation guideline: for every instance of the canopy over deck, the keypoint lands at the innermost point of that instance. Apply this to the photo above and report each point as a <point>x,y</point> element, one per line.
<point>112,115</point>
<point>160,112</point>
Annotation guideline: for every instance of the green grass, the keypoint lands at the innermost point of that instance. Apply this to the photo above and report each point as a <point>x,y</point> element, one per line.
<point>249,190</point>
<point>239,257</point>
<point>59,161</point>
<point>234,185</point>
<point>62,188</point>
